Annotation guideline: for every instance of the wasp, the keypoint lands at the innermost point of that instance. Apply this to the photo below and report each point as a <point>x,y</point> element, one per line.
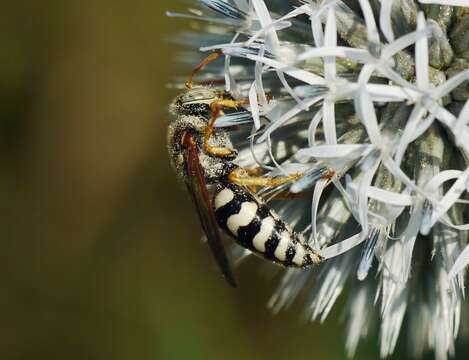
<point>205,160</point>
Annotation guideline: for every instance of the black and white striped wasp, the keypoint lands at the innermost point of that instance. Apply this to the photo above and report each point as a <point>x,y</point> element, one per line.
<point>204,159</point>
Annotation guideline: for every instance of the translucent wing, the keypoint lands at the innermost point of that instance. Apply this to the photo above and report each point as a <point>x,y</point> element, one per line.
<point>201,198</point>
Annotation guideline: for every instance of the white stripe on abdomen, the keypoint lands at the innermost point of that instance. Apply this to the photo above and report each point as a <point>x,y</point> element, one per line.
<point>282,247</point>
<point>298,259</point>
<point>223,198</point>
<point>246,214</point>
<point>267,227</point>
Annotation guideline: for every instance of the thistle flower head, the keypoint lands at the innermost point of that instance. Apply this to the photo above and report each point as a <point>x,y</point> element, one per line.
<point>368,100</point>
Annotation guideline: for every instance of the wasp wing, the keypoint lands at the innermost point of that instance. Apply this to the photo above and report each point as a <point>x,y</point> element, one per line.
<point>201,198</point>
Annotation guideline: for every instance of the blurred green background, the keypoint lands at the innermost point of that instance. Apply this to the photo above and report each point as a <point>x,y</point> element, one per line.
<point>100,253</point>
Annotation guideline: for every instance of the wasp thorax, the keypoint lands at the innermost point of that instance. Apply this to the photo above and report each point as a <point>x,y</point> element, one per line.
<point>182,125</point>
<point>178,128</point>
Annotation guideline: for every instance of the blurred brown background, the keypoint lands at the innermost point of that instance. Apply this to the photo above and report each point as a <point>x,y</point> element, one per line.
<point>100,255</point>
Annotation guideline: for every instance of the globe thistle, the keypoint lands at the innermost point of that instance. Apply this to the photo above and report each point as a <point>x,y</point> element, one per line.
<point>368,101</point>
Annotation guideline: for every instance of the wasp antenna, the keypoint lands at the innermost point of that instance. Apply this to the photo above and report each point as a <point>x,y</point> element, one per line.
<point>212,57</point>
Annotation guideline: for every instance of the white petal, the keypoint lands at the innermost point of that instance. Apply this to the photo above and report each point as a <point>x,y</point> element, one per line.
<point>445,2</point>
<point>435,182</point>
<point>421,55</point>
<point>313,127</point>
<point>278,24</point>
<point>335,151</point>
<point>318,190</point>
<point>366,72</point>
<point>258,70</point>
<point>373,35</point>
<point>368,254</point>
<point>337,51</point>
<point>328,120</point>
<point>409,237</point>
<point>404,42</point>
<point>254,106</point>
<point>456,190</point>
<point>451,84</point>
<point>392,322</point>
<point>342,247</point>
<point>295,72</point>
<point>388,93</point>
<point>330,39</point>
<point>461,262</point>
<point>287,116</point>
<point>418,112</point>
<point>363,195</point>
<point>390,197</point>
<point>385,19</point>
<point>263,14</point>
<point>366,111</point>
<point>359,317</point>
<point>461,123</point>
<point>331,283</point>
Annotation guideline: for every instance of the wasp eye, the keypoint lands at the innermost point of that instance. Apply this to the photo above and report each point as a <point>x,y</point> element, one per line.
<point>197,95</point>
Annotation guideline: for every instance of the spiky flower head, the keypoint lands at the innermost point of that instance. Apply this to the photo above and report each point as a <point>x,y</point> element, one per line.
<point>368,100</point>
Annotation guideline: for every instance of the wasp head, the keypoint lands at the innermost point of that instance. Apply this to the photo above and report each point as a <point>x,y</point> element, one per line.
<point>195,101</point>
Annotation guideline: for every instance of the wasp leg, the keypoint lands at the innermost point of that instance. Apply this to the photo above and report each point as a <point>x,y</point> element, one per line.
<point>216,109</point>
<point>255,171</point>
<point>212,57</point>
<point>241,177</point>
<point>286,195</point>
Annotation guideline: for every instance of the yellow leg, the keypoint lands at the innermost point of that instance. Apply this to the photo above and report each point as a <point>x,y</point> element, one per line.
<point>212,57</point>
<point>462,11</point>
<point>216,109</point>
<point>241,177</point>
<point>255,171</point>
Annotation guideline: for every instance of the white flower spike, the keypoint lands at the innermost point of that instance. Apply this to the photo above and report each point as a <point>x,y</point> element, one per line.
<point>370,103</point>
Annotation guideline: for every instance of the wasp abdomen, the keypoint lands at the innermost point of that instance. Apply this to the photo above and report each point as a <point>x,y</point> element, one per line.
<point>258,228</point>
